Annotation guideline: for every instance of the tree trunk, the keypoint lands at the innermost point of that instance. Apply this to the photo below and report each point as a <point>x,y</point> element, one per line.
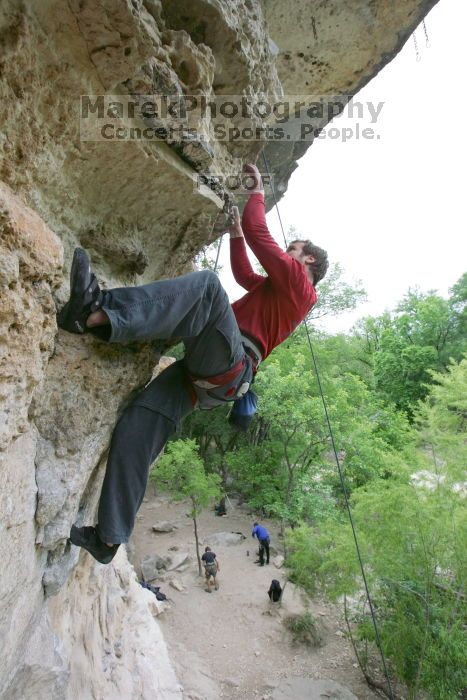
<point>195,524</point>
<point>283,538</point>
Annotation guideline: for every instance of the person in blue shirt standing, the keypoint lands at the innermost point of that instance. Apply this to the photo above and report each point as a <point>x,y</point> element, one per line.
<point>263,538</point>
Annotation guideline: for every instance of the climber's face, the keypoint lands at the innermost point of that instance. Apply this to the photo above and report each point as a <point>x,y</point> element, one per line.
<point>295,250</point>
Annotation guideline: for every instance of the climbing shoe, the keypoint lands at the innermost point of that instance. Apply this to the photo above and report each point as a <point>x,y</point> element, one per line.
<point>85,295</point>
<point>88,539</point>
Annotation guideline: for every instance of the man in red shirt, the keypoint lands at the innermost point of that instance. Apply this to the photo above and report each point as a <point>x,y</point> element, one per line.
<point>224,345</point>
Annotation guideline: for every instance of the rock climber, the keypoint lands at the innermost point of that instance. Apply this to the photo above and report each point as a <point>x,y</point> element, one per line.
<point>224,344</point>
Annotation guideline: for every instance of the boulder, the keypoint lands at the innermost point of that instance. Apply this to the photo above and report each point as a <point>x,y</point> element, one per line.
<point>175,560</point>
<point>175,583</point>
<point>151,566</point>
<point>164,526</point>
<point>278,561</point>
<point>224,539</point>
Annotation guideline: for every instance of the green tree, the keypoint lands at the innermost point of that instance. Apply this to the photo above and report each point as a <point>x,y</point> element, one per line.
<point>412,530</point>
<point>442,421</point>
<point>304,557</point>
<point>458,304</point>
<point>421,336</point>
<point>215,438</point>
<point>369,330</point>
<point>372,437</point>
<point>336,295</point>
<point>402,370</point>
<point>286,464</point>
<point>180,472</point>
<point>277,468</point>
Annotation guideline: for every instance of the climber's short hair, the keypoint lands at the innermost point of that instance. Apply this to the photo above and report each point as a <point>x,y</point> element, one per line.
<point>207,549</point>
<point>320,266</point>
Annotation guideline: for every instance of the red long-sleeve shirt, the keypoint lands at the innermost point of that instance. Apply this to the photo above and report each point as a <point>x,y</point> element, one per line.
<point>276,304</point>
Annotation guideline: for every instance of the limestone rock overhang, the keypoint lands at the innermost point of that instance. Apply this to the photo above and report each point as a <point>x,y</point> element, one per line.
<point>331,49</point>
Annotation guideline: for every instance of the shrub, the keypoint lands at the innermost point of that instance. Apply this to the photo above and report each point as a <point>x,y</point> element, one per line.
<point>304,629</point>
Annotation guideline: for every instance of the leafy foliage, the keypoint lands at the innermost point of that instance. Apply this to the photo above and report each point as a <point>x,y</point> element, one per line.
<point>336,295</point>
<point>180,471</point>
<point>442,423</point>
<point>304,629</point>
<point>413,537</point>
<point>396,391</point>
<point>304,557</point>
<point>420,337</point>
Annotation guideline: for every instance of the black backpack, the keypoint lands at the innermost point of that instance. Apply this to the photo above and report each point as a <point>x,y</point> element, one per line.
<point>275,591</point>
<point>154,589</point>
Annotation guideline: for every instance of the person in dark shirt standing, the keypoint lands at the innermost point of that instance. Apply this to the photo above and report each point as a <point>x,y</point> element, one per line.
<point>262,534</point>
<point>211,567</point>
<point>224,344</point>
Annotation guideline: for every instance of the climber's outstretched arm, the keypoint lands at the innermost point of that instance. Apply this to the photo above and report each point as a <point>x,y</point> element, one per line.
<point>277,263</point>
<point>242,270</point>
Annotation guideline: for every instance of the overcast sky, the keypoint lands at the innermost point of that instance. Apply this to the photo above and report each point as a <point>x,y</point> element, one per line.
<point>392,210</point>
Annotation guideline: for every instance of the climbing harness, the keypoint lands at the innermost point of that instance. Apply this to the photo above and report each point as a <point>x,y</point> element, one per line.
<point>252,350</point>
<point>224,388</point>
<point>339,467</point>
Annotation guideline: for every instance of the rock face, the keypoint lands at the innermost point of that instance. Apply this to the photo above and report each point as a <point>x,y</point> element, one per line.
<point>332,49</point>
<point>68,627</point>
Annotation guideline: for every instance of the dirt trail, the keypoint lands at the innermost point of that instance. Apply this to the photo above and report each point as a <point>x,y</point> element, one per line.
<point>230,644</point>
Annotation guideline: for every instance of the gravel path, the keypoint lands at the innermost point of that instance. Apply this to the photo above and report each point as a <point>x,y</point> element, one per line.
<point>231,643</point>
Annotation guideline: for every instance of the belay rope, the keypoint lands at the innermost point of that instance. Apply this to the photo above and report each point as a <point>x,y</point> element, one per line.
<point>338,464</point>
<point>418,55</point>
<point>336,456</point>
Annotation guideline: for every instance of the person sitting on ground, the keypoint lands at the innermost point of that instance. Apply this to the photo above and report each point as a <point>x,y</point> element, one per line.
<point>211,567</point>
<point>224,344</point>
<point>275,591</point>
<point>220,508</point>
<point>264,540</point>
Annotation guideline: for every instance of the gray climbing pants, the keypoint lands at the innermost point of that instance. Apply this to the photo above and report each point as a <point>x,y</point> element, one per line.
<point>196,309</point>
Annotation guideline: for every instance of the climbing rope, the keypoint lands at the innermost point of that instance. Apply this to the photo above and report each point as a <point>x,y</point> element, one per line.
<point>425,31</point>
<point>227,213</point>
<point>218,253</point>
<point>336,456</point>
<point>427,42</point>
<point>417,52</point>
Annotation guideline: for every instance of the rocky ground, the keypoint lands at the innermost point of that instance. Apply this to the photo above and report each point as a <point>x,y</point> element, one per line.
<point>232,643</point>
